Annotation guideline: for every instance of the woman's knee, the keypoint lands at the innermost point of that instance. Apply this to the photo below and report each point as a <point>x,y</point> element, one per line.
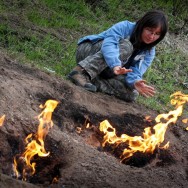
<point>83,51</point>
<point>126,49</point>
<point>86,49</point>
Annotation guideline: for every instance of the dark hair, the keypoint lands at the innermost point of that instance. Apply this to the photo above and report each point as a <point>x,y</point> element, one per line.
<point>153,19</point>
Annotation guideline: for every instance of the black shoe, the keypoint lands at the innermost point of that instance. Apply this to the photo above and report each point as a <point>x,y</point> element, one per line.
<point>79,77</point>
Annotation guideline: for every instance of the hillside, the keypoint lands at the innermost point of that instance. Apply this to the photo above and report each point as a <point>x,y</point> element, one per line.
<point>76,156</point>
<point>78,159</point>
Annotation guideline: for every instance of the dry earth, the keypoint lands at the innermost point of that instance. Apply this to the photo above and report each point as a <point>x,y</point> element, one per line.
<point>78,159</point>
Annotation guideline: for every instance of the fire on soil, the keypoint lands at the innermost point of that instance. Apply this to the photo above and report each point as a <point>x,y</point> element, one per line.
<point>77,156</point>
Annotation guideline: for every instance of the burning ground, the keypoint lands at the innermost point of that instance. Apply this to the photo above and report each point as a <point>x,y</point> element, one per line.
<point>76,157</point>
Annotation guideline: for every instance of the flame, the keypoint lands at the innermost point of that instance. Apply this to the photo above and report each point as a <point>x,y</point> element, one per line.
<point>147,118</point>
<point>2,120</point>
<point>185,121</point>
<point>149,141</point>
<point>35,143</point>
<point>55,180</point>
<point>78,129</point>
<point>85,126</point>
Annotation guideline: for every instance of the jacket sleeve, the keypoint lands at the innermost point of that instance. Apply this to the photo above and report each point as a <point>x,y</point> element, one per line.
<point>110,46</point>
<point>139,66</point>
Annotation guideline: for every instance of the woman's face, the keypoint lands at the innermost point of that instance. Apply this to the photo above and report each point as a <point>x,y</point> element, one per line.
<point>150,35</point>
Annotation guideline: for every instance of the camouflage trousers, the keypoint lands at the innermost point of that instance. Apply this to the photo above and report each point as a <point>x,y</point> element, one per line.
<point>90,58</point>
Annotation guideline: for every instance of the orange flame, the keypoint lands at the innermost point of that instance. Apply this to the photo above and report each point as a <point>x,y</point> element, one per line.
<point>35,143</point>
<point>85,126</point>
<point>55,180</point>
<point>147,118</point>
<point>2,120</point>
<point>149,141</point>
<point>185,121</point>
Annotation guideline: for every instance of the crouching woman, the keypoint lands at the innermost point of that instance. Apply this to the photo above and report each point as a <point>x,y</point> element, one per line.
<point>114,61</point>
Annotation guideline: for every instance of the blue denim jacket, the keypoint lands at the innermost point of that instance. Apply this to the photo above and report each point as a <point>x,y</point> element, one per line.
<point>110,50</point>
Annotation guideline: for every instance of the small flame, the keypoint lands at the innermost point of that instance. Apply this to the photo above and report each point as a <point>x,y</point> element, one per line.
<point>79,130</point>
<point>35,143</point>
<point>185,121</point>
<point>149,141</point>
<point>55,180</point>
<point>85,126</point>
<point>147,118</point>
<point>166,146</point>
<point>2,119</point>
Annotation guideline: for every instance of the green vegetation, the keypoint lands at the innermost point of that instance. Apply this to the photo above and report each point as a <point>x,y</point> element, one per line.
<point>44,33</point>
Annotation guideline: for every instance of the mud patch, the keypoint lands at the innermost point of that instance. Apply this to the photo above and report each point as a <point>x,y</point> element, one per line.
<point>78,159</point>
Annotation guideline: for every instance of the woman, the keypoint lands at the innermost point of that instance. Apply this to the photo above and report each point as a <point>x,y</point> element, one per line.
<point>115,60</point>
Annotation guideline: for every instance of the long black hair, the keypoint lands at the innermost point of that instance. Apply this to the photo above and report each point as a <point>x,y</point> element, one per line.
<point>153,19</point>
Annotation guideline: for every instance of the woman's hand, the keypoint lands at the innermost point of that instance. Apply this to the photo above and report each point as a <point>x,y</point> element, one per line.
<point>144,89</point>
<point>121,70</point>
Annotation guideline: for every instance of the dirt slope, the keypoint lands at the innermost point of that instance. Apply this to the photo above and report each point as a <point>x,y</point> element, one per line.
<point>77,159</point>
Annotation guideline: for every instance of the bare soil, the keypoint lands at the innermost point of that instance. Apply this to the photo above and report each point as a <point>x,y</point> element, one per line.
<point>78,159</point>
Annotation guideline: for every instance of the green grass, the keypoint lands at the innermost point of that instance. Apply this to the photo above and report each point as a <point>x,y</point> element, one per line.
<point>49,42</point>
<point>46,52</point>
<point>167,74</point>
